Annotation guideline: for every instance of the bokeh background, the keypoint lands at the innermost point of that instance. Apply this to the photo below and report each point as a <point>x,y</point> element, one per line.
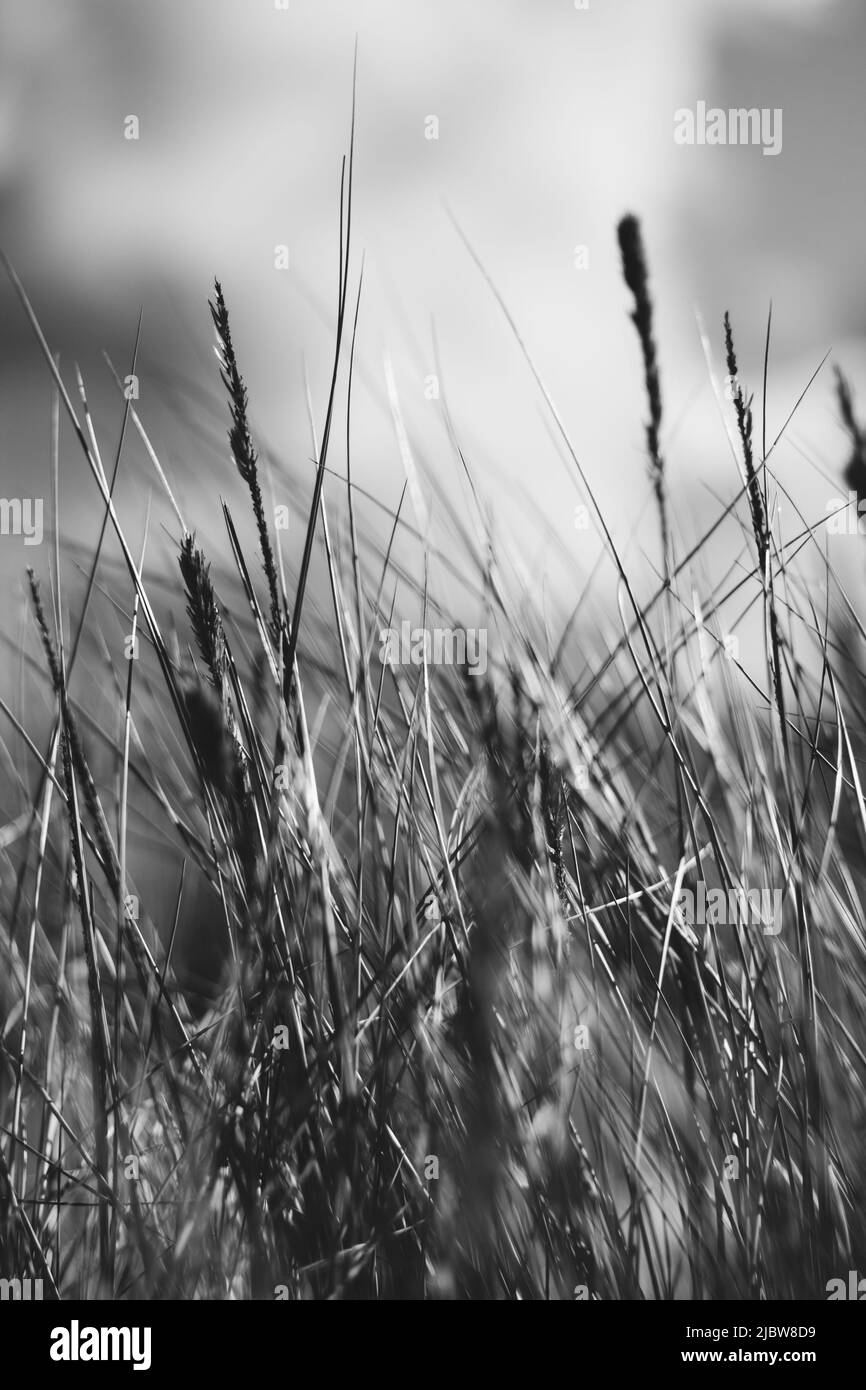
<point>553,121</point>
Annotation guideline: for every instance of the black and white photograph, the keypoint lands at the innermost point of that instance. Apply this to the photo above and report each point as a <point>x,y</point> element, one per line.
<point>432,674</point>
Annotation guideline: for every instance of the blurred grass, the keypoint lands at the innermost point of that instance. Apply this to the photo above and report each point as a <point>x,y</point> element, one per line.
<point>420,1016</point>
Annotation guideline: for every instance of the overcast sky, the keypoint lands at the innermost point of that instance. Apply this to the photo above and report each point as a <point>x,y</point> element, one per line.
<point>552,122</point>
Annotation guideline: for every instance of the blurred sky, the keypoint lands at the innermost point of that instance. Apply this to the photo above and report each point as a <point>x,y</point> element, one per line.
<point>552,122</point>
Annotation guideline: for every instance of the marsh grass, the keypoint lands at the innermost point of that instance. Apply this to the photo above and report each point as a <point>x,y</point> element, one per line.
<point>458,1041</point>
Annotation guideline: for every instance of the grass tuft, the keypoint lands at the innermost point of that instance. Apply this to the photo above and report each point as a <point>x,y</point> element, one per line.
<point>422,1002</point>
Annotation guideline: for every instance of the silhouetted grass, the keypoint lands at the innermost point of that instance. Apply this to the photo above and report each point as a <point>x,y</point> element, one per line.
<point>462,1038</point>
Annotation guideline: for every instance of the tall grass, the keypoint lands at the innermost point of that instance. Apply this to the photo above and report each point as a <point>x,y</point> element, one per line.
<point>463,1039</point>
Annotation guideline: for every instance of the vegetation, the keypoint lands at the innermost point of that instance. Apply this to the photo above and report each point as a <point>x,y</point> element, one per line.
<point>457,1037</point>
